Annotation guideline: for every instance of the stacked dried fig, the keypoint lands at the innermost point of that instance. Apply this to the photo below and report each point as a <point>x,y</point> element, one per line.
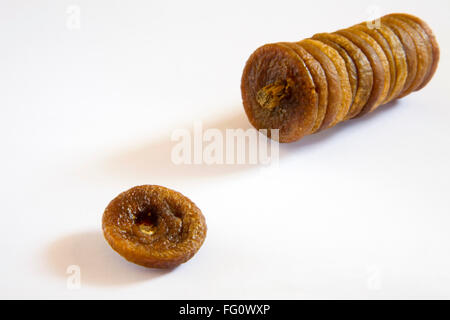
<point>304,87</point>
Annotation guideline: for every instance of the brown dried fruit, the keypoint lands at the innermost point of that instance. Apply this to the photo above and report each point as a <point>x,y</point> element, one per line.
<point>320,81</point>
<point>279,93</point>
<point>352,72</point>
<point>333,83</point>
<point>341,69</point>
<point>380,67</point>
<point>423,51</point>
<point>426,50</point>
<point>364,70</point>
<point>154,226</point>
<point>384,44</point>
<point>431,38</point>
<point>410,51</point>
<point>341,75</point>
<point>398,52</point>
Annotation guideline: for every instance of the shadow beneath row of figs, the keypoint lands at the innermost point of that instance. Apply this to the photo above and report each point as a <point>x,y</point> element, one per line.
<point>292,149</point>
<point>152,162</point>
<point>99,264</point>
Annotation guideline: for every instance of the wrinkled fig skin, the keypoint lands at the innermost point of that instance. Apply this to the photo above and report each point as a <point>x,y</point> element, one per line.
<point>307,86</point>
<point>344,83</point>
<point>399,56</point>
<point>364,74</point>
<point>349,65</point>
<point>381,76</point>
<point>320,80</point>
<point>333,83</point>
<point>422,55</point>
<point>279,93</point>
<point>154,227</point>
<point>410,52</point>
<point>390,62</point>
<point>430,42</point>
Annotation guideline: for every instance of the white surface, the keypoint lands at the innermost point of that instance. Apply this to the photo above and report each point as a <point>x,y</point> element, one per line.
<point>358,211</point>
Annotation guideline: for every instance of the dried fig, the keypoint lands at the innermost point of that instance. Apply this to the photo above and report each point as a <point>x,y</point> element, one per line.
<point>279,93</point>
<point>154,226</point>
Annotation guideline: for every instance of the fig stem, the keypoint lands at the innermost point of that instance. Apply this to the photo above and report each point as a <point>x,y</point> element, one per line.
<point>269,97</point>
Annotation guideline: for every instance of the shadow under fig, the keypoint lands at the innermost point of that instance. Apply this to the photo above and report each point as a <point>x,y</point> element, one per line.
<point>99,264</point>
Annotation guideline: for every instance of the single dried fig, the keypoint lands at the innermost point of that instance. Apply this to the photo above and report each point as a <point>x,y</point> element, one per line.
<point>279,92</point>
<point>154,226</point>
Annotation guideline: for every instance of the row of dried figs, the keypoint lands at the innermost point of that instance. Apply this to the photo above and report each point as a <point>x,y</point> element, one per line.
<point>304,87</point>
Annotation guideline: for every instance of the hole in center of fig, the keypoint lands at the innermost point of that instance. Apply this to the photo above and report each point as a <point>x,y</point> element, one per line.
<point>147,221</point>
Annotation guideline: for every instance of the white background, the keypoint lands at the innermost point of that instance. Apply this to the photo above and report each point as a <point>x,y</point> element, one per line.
<point>359,211</point>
